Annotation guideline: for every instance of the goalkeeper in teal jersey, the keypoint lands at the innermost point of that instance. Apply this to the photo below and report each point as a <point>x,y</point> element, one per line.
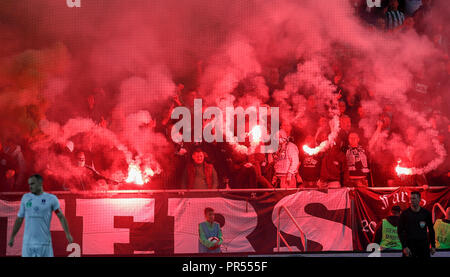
<point>210,235</point>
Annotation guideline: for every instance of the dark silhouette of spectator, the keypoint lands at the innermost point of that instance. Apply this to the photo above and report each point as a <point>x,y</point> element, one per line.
<point>310,165</point>
<point>345,124</point>
<point>334,169</point>
<point>84,176</point>
<point>8,169</point>
<point>12,167</point>
<point>409,7</point>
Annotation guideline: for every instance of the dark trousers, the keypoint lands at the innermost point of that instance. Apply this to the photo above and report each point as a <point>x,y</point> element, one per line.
<point>419,248</point>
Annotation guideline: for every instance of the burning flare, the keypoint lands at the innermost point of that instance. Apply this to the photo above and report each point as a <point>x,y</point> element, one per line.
<point>313,151</point>
<point>136,176</point>
<point>256,134</point>
<point>403,170</point>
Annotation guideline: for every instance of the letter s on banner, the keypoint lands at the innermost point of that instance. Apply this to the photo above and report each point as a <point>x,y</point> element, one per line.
<point>330,234</point>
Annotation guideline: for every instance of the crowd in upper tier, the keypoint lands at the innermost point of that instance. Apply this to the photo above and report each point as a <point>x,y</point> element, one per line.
<point>354,159</point>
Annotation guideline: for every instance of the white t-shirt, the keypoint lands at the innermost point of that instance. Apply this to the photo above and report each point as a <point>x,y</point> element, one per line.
<point>37,211</point>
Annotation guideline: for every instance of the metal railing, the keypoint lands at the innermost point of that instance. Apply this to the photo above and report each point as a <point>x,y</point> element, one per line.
<point>213,190</point>
<point>279,235</point>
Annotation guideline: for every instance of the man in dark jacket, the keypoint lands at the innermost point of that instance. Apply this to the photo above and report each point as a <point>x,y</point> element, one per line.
<point>412,230</point>
<point>334,169</point>
<point>199,174</point>
<point>310,165</point>
<point>386,233</point>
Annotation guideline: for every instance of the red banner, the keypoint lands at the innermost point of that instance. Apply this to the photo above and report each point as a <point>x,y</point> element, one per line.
<point>370,207</point>
<point>166,223</point>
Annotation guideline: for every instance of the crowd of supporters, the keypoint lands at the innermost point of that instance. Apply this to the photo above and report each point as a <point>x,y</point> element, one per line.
<point>354,160</point>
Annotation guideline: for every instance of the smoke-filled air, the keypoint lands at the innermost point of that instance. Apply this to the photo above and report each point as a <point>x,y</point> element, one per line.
<point>95,86</point>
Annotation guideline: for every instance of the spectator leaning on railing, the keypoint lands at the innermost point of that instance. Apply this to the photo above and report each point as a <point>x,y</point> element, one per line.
<point>334,169</point>
<point>199,174</point>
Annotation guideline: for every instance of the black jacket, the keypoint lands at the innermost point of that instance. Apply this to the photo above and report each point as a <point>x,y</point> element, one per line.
<point>413,226</point>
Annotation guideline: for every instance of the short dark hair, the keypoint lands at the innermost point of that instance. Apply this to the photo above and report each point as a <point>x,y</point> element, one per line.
<point>416,193</point>
<point>208,209</point>
<point>396,209</point>
<point>197,149</point>
<point>38,177</point>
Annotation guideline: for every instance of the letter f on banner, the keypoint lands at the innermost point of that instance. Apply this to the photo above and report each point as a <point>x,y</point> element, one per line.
<point>374,3</point>
<point>73,3</point>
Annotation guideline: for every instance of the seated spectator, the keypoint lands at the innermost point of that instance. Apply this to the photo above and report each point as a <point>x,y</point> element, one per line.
<point>394,17</point>
<point>357,162</point>
<point>309,169</point>
<point>334,170</point>
<point>199,174</point>
<point>285,162</point>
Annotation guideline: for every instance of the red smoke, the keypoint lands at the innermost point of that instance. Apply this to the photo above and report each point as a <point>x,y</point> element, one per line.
<point>103,76</point>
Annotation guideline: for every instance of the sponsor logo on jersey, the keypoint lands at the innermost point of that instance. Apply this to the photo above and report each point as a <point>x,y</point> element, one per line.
<point>422,224</point>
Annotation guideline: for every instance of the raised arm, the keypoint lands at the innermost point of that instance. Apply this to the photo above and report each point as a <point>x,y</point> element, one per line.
<point>375,137</point>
